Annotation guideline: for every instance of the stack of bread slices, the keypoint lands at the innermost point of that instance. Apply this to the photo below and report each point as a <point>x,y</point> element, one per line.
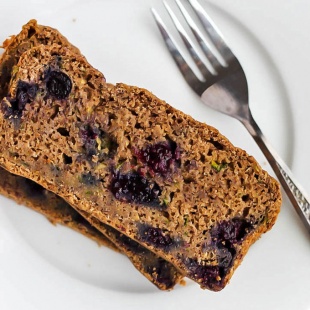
<point>123,167</point>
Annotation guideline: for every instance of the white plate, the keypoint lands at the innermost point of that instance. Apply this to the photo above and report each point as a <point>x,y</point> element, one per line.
<point>43,267</point>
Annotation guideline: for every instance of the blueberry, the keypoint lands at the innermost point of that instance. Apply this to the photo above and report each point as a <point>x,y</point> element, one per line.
<point>58,84</point>
<point>225,236</point>
<point>25,93</point>
<point>155,236</point>
<point>208,276</point>
<point>134,188</point>
<point>94,140</point>
<point>160,157</point>
<point>89,135</point>
<point>231,232</point>
<point>161,271</point>
<point>225,256</point>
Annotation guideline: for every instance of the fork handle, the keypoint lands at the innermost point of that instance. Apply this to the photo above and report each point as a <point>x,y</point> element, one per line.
<point>294,191</point>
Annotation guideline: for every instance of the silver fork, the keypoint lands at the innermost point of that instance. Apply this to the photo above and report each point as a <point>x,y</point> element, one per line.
<point>224,88</point>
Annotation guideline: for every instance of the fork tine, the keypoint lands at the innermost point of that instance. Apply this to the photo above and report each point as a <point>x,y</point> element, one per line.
<point>189,44</point>
<point>213,31</point>
<point>205,46</point>
<point>183,66</point>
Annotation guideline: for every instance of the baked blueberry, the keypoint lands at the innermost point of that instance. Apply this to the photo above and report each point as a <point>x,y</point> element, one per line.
<point>134,188</point>
<point>161,271</point>
<point>97,142</point>
<point>25,93</point>
<point>231,232</point>
<point>208,276</point>
<point>89,135</point>
<point>155,236</point>
<point>58,84</point>
<point>160,158</point>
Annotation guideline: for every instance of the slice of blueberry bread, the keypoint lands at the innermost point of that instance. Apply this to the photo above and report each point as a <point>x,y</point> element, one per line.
<point>117,152</point>
<point>33,35</point>
<point>57,211</point>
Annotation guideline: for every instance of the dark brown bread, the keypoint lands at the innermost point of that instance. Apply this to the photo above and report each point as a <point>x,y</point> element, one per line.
<point>57,211</point>
<point>119,153</point>
<point>161,273</point>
